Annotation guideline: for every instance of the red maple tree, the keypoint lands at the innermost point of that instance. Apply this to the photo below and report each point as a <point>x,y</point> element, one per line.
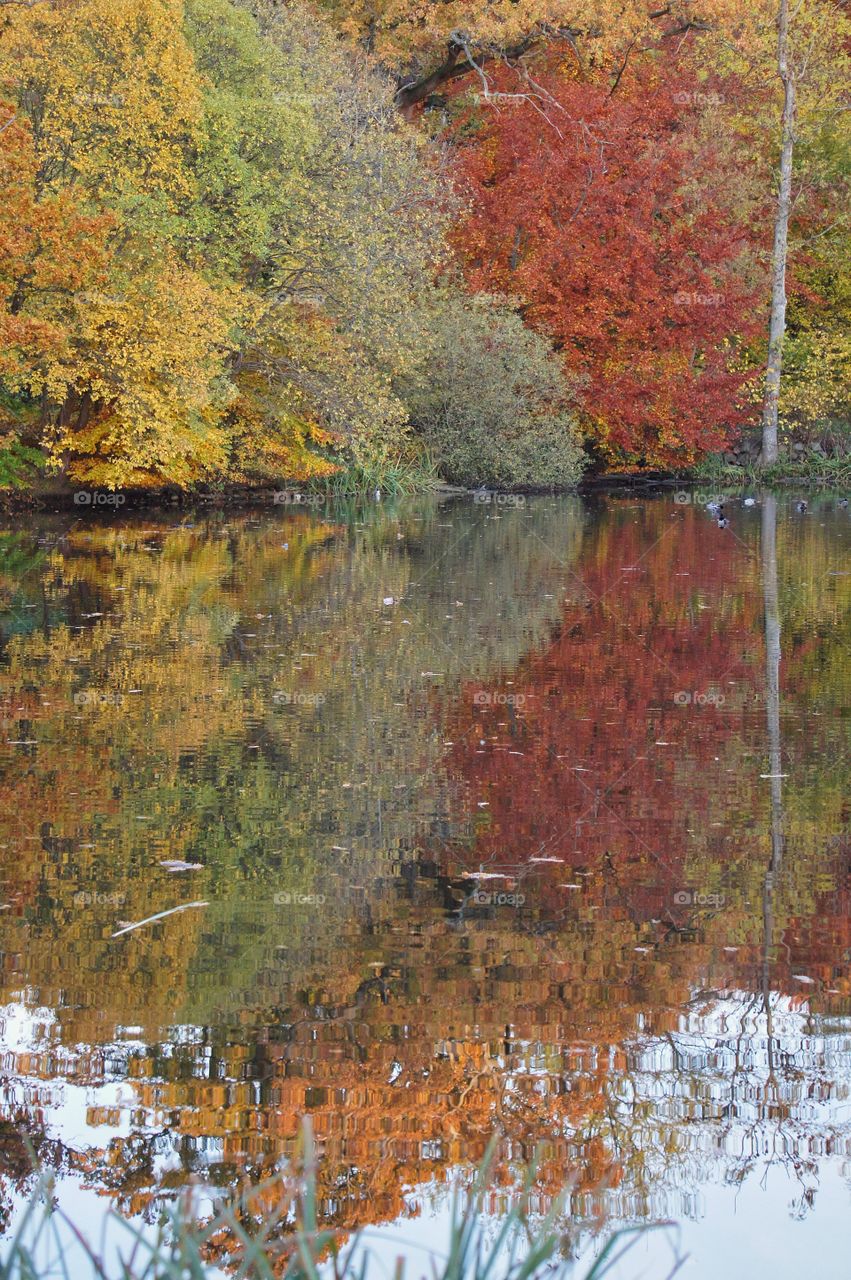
<point>616,221</point>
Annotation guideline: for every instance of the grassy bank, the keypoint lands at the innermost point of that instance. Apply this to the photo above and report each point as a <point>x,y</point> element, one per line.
<point>396,477</point>
<point>811,471</point>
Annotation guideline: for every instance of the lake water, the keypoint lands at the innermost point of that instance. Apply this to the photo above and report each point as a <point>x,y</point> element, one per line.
<point>433,820</point>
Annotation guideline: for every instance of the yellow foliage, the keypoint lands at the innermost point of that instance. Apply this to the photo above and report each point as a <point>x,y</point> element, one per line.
<point>48,250</point>
<point>406,33</point>
<point>111,89</point>
<point>262,449</point>
<point>150,362</point>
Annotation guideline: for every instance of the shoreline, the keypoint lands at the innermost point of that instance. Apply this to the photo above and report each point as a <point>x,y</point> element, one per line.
<point>57,499</point>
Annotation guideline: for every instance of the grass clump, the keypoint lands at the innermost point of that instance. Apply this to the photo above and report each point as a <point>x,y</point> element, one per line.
<point>394,477</point>
<point>273,1232</point>
<point>830,472</point>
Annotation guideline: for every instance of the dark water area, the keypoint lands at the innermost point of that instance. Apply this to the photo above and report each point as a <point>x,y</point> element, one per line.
<point>434,820</point>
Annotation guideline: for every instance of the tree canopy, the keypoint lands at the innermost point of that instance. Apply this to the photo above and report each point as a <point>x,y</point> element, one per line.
<point>226,255</point>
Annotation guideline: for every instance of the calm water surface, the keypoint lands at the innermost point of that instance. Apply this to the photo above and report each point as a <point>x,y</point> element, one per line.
<point>432,820</point>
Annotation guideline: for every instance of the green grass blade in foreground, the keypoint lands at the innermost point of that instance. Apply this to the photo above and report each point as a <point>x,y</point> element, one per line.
<point>181,1247</point>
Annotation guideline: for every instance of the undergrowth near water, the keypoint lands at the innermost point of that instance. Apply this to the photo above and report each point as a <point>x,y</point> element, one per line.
<point>830,472</point>
<point>395,477</point>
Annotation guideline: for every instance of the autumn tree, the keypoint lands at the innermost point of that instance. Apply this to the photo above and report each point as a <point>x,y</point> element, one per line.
<point>113,102</point>
<point>434,45</point>
<point>586,210</point>
<point>805,51</point>
<point>276,229</point>
<point>50,250</point>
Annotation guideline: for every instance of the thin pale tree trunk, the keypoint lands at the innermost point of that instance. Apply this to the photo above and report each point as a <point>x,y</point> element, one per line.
<point>777,326</point>
<point>771,608</point>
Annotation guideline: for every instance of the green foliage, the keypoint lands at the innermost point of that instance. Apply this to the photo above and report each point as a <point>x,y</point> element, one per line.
<point>494,406</point>
<point>269,231</point>
<point>831,472</point>
<point>391,476</point>
<point>255,134</point>
<point>817,350</point>
<point>19,464</point>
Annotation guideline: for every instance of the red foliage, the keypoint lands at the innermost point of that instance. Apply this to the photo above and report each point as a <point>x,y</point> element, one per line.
<point>615,221</point>
<point>592,756</point>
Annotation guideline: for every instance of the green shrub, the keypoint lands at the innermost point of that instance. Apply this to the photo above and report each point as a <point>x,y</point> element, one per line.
<point>19,464</point>
<point>491,401</point>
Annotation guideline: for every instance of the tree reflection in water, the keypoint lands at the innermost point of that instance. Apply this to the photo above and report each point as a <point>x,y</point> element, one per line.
<point>495,856</point>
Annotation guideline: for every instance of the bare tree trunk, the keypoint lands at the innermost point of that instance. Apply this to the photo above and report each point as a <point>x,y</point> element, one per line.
<point>777,326</point>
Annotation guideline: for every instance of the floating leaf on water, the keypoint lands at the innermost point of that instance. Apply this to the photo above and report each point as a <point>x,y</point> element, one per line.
<point>161,915</point>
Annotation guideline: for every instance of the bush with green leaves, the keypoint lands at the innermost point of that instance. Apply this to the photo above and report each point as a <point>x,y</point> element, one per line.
<point>19,464</point>
<point>491,402</point>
